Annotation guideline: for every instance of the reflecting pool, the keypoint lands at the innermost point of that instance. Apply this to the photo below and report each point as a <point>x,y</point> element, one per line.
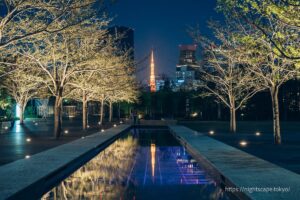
<point>145,164</point>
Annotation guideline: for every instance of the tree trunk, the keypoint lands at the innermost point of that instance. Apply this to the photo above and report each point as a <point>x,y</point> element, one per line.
<point>276,120</point>
<point>232,120</point>
<point>84,111</point>
<point>57,116</point>
<point>22,110</point>
<point>110,111</point>
<point>101,111</point>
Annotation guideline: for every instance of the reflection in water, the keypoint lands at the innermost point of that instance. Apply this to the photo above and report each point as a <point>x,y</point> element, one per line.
<point>104,177</point>
<point>134,168</point>
<point>153,148</point>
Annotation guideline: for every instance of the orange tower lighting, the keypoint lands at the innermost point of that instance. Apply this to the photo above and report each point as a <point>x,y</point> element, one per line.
<point>152,74</point>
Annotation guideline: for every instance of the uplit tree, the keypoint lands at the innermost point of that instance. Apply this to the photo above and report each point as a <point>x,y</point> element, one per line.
<point>225,74</point>
<point>272,70</point>
<point>60,57</point>
<point>21,84</point>
<point>25,19</point>
<point>263,16</point>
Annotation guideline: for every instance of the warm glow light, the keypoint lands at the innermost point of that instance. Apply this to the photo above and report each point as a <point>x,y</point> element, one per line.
<point>195,114</point>
<point>257,133</point>
<point>153,150</point>
<point>66,131</point>
<point>28,140</point>
<point>152,74</point>
<point>243,143</point>
<point>211,132</point>
<point>18,111</point>
<point>27,156</point>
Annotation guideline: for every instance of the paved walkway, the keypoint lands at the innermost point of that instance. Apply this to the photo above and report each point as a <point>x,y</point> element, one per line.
<point>32,177</point>
<point>36,135</point>
<point>285,155</point>
<point>242,169</point>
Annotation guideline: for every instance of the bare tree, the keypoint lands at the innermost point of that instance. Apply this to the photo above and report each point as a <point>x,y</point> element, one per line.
<point>24,19</point>
<point>21,85</point>
<point>62,56</point>
<point>272,70</point>
<point>226,75</point>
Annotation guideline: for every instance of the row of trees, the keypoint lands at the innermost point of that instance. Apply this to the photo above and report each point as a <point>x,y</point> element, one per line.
<point>62,49</point>
<point>257,49</point>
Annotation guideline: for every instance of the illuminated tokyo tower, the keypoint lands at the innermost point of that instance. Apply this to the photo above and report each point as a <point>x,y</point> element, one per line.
<point>152,74</point>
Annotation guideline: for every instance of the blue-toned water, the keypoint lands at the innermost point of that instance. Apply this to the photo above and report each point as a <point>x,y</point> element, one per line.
<point>145,164</point>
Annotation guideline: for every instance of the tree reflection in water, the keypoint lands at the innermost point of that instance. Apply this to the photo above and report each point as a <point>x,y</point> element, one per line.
<point>105,176</point>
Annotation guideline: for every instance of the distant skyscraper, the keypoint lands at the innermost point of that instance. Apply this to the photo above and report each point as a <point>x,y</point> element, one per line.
<point>187,67</point>
<point>152,74</point>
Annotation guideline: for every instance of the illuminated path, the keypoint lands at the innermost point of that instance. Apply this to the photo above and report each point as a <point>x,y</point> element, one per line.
<point>239,168</point>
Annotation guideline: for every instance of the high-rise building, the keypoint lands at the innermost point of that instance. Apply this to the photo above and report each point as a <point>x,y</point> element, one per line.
<point>187,67</point>
<point>152,74</point>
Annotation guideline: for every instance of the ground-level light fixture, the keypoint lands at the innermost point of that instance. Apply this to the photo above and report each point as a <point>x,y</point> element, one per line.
<point>102,130</point>
<point>121,122</point>
<point>211,132</point>
<point>195,114</point>
<point>66,131</point>
<point>82,137</point>
<point>6,127</point>
<point>27,156</point>
<point>28,140</point>
<point>36,123</point>
<point>88,126</point>
<point>115,125</point>
<point>243,143</point>
<point>257,133</point>
<point>99,123</point>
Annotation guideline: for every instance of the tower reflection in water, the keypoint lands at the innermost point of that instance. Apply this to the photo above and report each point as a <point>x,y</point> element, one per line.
<point>153,149</point>
<point>148,165</point>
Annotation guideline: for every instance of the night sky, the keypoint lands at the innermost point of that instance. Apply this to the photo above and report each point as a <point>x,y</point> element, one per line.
<point>162,24</point>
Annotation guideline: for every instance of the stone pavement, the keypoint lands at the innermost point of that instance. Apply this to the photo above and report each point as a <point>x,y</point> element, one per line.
<point>36,135</point>
<point>259,179</point>
<point>32,177</point>
<point>285,155</point>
